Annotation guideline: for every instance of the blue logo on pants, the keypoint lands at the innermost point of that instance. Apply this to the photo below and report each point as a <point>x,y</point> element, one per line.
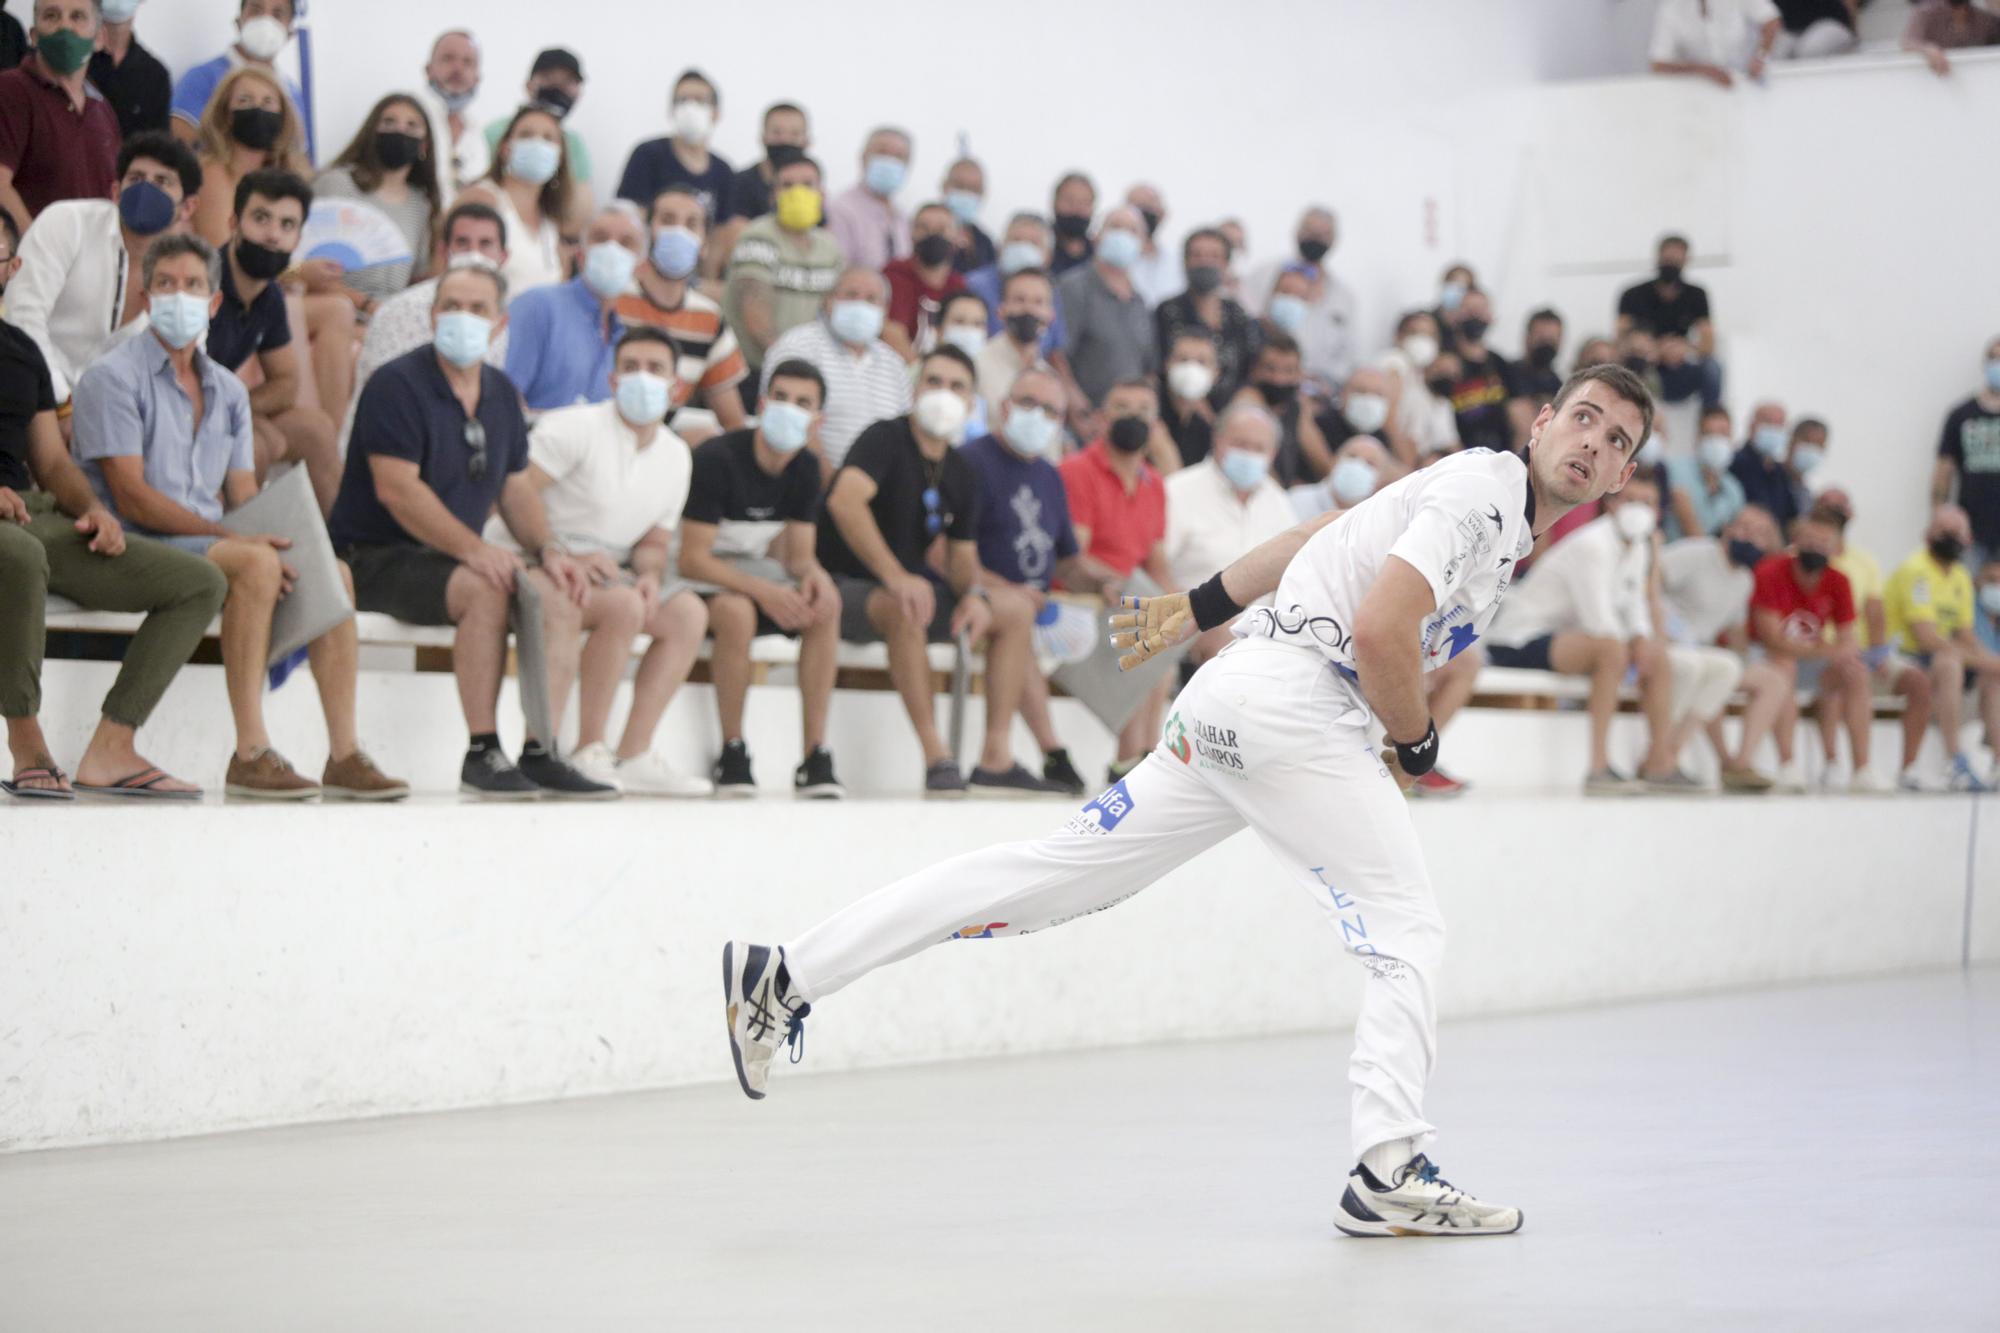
<point>1108,810</point>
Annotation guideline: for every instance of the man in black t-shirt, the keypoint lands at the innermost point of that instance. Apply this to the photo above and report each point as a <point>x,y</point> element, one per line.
<point>683,158</point>
<point>1969,454</point>
<point>1479,392</point>
<point>132,79</point>
<point>271,208</point>
<point>899,532</point>
<point>747,532</point>
<point>1675,312</point>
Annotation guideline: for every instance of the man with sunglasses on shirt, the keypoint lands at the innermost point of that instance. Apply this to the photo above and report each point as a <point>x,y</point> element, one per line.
<point>439,441</point>
<point>898,534</point>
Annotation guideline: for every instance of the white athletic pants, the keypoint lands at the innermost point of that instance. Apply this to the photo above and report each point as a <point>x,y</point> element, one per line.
<point>1703,680</point>
<point>1265,734</point>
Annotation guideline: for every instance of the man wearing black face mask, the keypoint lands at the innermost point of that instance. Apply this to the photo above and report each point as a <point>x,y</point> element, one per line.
<point>1534,375</point>
<point>1075,204</point>
<point>1675,312</point>
<point>1275,376</point>
<point>271,208</point>
<point>1203,309</point>
<point>555,84</point>
<point>1326,337</point>
<point>921,282</point>
<point>1479,393</point>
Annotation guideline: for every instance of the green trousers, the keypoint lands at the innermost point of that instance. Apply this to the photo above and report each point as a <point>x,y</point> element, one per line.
<point>179,592</point>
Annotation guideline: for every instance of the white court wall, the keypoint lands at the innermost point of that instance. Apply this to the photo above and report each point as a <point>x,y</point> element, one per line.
<point>1839,220</point>
<point>167,972</point>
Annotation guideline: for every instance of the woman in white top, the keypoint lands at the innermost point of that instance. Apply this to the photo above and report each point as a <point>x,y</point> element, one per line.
<point>1420,425</point>
<point>529,186</point>
<point>390,165</point>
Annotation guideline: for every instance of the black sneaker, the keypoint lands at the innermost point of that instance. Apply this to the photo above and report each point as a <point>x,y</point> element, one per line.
<point>814,780</point>
<point>732,771</point>
<point>1057,768</point>
<point>942,782</point>
<point>1014,781</point>
<point>1120,768</point>
<point>558,780</point>
<point>491,776</point>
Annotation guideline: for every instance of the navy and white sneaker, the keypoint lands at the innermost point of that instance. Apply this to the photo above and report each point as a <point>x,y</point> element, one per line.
<point>763,1014</point>
<point>1420,1203</point>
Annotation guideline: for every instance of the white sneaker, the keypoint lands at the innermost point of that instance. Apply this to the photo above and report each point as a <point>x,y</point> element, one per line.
<point>1866,783</point>
<point>596,762</point>
<point>1909,780</point>
<point>648,775</point>
<point>763,1015</point>
<point>1420,1203</point>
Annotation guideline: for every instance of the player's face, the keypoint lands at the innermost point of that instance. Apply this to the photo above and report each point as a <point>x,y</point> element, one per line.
<point>1584,449</point>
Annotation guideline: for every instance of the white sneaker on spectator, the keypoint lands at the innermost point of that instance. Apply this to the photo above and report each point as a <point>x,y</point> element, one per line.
<point>1909,780</point>
<point>648,775</point>
<point>1791,778</point>
<point>596,762</point>
<point>1830,781</point>
<point>1866,783</point>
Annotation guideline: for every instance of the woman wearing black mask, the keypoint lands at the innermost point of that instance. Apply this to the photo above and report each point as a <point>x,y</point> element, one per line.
<point>250,124</point>
<point>389,164</point>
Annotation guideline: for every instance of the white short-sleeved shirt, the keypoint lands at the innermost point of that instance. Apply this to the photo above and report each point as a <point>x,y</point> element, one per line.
<point>1461,523</point>
<point>1704,594</point>
<point>1208,525</point>
<point>1592,581</point>
<point>608,492</point>
<point>1724,35</point>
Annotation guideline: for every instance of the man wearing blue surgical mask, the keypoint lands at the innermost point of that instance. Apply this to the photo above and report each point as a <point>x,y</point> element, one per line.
<point>1223,506</point>
<point>747,533</point>
<point>1760,465</point>
<point>964,194</point>
<point>1025,536</point>
<point>560,351</point>
<point>1110,332</point>
<point>866,381</point>
<point>708,364</point>
<point>864,218</point>
<point>1704,496</point>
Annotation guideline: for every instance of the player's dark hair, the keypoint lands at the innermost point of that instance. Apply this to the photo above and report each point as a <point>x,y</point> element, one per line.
<point>1621,382</point>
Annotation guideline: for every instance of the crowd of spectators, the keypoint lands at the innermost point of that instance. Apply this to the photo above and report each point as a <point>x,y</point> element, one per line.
<point>728,403</point>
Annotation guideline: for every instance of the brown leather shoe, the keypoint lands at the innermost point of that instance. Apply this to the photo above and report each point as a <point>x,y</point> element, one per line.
<point>356,778</point>
<point>266,776</point>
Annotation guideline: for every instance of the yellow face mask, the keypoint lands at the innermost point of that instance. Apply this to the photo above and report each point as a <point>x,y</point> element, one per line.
<point>798,208</point>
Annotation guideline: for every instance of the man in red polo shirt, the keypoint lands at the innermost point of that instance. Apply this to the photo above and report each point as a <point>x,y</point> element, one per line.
<point>921,282</point>
<point>58,136</point>
<point>1118,506</point>
<point>1797,595</point>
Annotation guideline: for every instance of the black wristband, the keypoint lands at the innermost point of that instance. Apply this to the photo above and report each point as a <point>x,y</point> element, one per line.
<point>1211,605</point>
<point>1419,757</point>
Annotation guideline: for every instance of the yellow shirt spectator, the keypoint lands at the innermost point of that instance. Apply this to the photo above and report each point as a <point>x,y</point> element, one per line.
<point>1864,574</point>
<point>1922,591</point>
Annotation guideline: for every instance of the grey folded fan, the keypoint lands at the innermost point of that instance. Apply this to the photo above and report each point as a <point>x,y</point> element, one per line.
<point>318,601</point>
<point>1097,683</point>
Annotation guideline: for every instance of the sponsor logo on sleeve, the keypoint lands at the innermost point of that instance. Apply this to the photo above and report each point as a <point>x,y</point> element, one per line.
<point>1105,813</point>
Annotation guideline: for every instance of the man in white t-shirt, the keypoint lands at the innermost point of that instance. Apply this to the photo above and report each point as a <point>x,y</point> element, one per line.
<point>1225,505</point>
<point>613,480</point>
<point>1711,38</point>
<point>1587,609</point>
<point>1705,586</point>
<point>1283,731</point>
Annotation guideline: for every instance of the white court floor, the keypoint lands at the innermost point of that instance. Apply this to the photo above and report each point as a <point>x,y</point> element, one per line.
<point>1822,1158</point>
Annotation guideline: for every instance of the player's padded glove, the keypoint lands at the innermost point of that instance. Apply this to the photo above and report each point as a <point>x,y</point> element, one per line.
<point>1148,626</point>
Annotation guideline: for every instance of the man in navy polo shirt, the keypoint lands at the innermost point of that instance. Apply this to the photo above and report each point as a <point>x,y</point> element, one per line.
<point>271,208</point>
<point>438,442</point>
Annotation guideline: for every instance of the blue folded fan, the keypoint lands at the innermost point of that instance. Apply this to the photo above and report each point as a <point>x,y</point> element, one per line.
<point>354,234</point>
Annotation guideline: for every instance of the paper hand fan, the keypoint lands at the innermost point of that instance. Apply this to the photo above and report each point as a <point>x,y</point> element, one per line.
<point>353,234</point>
<point>1065,632</point>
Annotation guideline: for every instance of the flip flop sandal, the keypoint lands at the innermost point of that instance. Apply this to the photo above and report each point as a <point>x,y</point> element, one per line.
<point>20,791</point>
<point>143,785</point>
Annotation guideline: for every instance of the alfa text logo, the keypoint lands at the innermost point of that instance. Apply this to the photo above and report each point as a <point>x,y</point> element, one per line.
<point>1105,813</point>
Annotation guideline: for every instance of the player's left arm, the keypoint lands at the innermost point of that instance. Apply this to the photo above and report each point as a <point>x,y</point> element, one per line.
<point>1388,649</point>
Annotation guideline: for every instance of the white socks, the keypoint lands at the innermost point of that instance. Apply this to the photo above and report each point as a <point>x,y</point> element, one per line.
<point>1386,1159</point>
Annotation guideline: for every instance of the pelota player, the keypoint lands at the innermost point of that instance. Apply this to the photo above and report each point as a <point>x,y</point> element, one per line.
<point>1277,732</point>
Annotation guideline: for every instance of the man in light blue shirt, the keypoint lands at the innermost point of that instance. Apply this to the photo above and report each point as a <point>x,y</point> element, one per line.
<point>165,434</point>
<point>263,29</point>
<point>562,338</point>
